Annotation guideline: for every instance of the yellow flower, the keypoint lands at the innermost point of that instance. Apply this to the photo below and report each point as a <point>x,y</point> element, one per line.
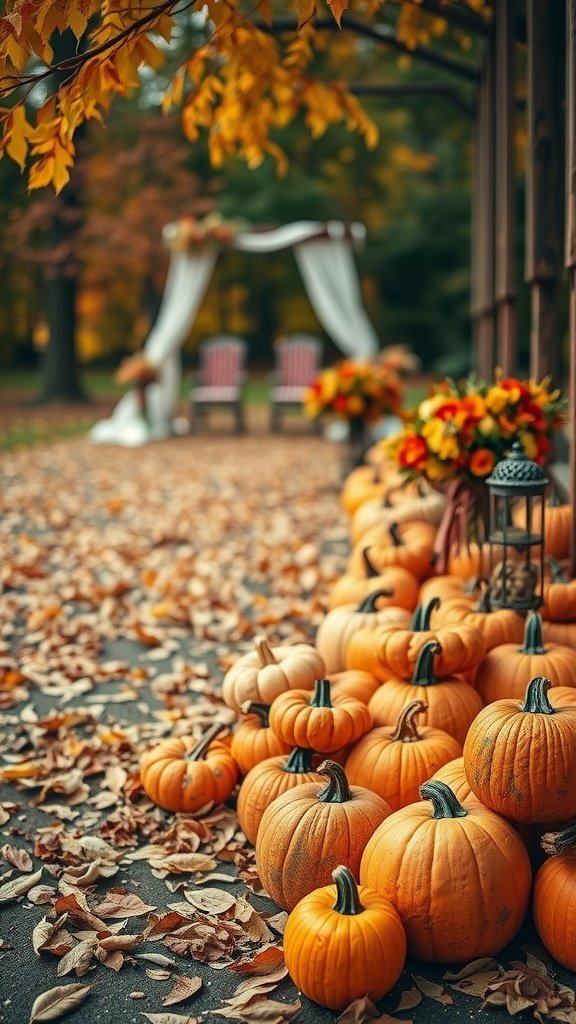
<point>529,444</point>
<point>488,426</point>
<point>440,439</point>
<point>428,407</point>
<point>330,383</point>
<point>438,470</point>
<point>498,398</point>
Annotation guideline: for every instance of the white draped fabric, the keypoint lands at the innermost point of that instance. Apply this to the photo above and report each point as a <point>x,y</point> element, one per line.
<point>324,256</point>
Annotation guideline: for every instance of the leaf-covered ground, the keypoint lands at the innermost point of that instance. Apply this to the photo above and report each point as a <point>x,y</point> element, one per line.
<point>129,582</point>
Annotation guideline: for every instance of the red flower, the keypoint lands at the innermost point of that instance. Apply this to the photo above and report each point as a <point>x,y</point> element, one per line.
<point>413,453</point>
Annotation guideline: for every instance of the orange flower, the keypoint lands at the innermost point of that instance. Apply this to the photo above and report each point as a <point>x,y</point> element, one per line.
<point>412,454</point>
<point>482,462</point>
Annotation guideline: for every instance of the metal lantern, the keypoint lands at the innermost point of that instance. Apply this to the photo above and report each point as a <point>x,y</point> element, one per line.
<point>516,544</point>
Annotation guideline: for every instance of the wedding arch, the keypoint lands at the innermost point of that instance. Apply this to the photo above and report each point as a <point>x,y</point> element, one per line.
<point>324,255</point>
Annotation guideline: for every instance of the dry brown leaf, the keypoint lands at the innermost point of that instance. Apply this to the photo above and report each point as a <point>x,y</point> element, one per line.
<point>210,901</point>
<point>170,1018</point>
<point>522,988</point>
<point>182,863</point>
<point>78,959</point>
<point>183,988</point>
<point>121,903</point>
<point>359,1011</point>
<point>17,856</point>
<point>432,990</point>
<point>264,1011</point>
<point>19,886</point>
<point>58,1001</point>
<point>410,998</point>
<point>157,958</point>
<point>44,931</point>
<point>264,962</point>
<point>485,963</point>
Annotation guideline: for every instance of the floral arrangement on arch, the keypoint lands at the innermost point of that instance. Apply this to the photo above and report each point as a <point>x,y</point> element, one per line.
<point>467,427</point>
<point>354,390</point>
<point>188,231</point>
<point>136,370</point>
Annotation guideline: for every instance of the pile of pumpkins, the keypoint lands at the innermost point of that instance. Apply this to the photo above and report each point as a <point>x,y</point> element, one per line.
<point>392,776</point>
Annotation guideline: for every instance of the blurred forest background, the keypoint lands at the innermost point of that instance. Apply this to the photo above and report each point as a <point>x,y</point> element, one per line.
<point>90,262</point>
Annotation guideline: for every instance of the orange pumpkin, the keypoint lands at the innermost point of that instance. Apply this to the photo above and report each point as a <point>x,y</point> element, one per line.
<point>394,761</point>
<point>397,506</point>
<point>183,774</point>
<point>362,483</point>
<point>409,546</point>
<point>437,864</point>
<point>563,633</point>
<point>518,757</point>
<point>398,587</point>
<point>444,587</point>
<point>557,527</point>
<point>505,669</point>
<point>498,626</point>
<point>353,683</point>
<point>562,696</point>
<point>317,721</point>
<point>452,703</point>
<point>454,776</point>
<point>267,671</point>
<point>266,781</point>
<point>340,624</point>
<point>555,897</point>
<point>254,740</point>
<point>342,943</point>
<point>559,595</point>
<point>309,831</point>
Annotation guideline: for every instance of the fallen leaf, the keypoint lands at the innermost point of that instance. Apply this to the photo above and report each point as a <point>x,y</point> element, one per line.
<point>210,901</point>
<point>120,903</point>
<point>78,959</point>
<point>410,998</point>
<point>44,931</point>
<point>485,963</point>
<point>18,857</point>
<point>57,1001</point>
<point>182,989</point>
<point>359,1011</point>
<point>169,1018</point>
<point>432,990</point>
<point>18,886</point>
<point>262,963</point>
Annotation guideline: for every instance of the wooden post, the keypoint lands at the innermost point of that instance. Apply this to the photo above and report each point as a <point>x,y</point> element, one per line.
<point>544,181</point>
<point>483,220</point>
<point>505,187</point>
<point>570,252</point>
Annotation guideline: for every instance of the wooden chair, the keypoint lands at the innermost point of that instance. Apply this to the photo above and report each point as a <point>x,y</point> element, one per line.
<point>298,360</point>
<point>221,378</point>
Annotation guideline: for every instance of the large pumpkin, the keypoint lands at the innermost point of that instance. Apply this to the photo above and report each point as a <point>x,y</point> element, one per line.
<point>183,774</point>
<point>505,669</point>
<point>253,740</point>
<point>563,633</point>
<point>265,672</point>
<point>353,683</point>
<point>459,876</point>
<point>454,776</point>
<point>316,721</point>
<point>266,781</point>
<point>497,625</point>
<point>409,546</point>
<point>519,757</point>
<point>309,831</point>
<point>452,703</point>
<point>559,595</point>
<point>340,624</point>
<point>342,943</point>
<point>398,586</point>
<point>555,897</point>
<point>394,761</point>
<point>558,521</point>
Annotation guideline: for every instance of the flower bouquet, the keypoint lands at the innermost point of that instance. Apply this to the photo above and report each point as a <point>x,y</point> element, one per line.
<point>137,371</point>
<point>456,436</point>
<point>354,391</point>
<point>188,231</point>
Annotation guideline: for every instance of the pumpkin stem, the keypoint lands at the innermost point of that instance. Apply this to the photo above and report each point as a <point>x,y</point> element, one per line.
<point>536,700</point>
<point>406,729</point>
<point>484,601</point>
<point>424,670</point>
<point>255,707</point>
<point>368,565</point>
<point>321,697</point>
<point>199,750</point>
<point>557,842</point>
<point>557,575</point>
<point>415,623</point>
<point>444,802</point>
<point>338,789</point>
<point>299,761</point>
<point>369,603</point>
<point>471,585</point>
<point>265,652</point>
<point>427,610</point>
<point>533,642</point>
<point>347,896</point>
<point>396,538</point>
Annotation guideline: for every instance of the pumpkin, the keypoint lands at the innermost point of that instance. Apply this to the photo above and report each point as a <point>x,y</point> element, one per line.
<point>555,897</point>
<point>559,633</point>
<point>317,721</point>
<point>397,507</point>
<point>458,876</point>
<point>558,521</point>
<point>443,587</point>
<point>519,757</point>
<point>559,595</point>
<point>454,776</point>
<point>266,781</point>
<point>409,546</point>
<point>254,740</point>
<point>452,703</point>
<point>394,761</point>
<point>505,669</point>
<point>394,651</point>
<point>306,833</point>
<point>183,774</point>
<point>562,696</point>
<point>398,587</point>
<point>342,943</point>
<point>362,483</point>
<point>265,672</point>
<point>340,624</point>
<point>497,625</point>
<point>353,683</point>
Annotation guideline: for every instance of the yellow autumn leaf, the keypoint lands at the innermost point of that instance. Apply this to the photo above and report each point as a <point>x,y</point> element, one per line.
<point>18,135</point>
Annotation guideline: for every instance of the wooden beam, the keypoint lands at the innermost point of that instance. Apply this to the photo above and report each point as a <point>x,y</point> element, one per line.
<point>505,273</point>
<point>570,253</point>
<point>544,181</point>
<point>483,221</point>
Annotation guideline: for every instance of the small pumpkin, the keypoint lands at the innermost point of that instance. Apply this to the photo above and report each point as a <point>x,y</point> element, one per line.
<point>497,625</point>
<point>505,669</point>
<point>353,683</point>
<point>340,624</point>
<point>555,897</point>
<point>253,741</point>
<point>458,876</point>
<point>559,595</point>
<point>266,781</point>
<point>342,943</point>
<point>398,586</point>
<point>265,672</point>
<point>318,721</point>
<point>183,774</point>
<point>443,587</point>
<point>452,703</point>
<point>409,546</point>
<point>309,831</point>
<point>519,757</point>
<point>395,506</point>
<point>454,776</point>
<point>394,761</point>
<point>362,483</point>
